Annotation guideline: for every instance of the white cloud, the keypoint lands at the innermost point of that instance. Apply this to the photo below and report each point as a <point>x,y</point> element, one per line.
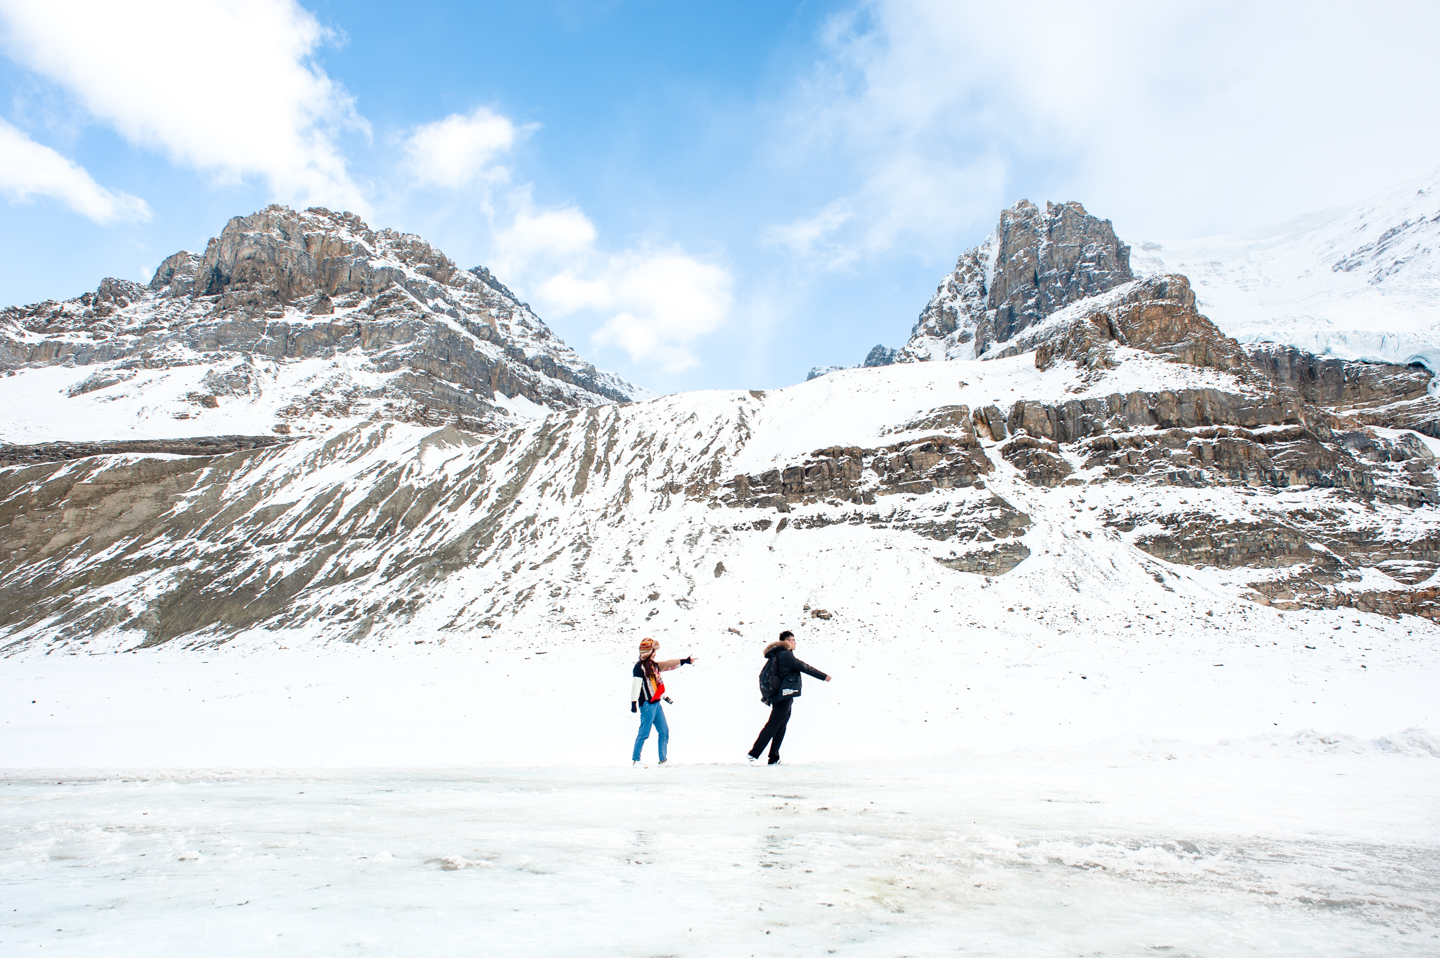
<point>658,303</point>
<point>29,169</point>
<point>654,304</point>
<point>805,234</point>
<point>546,233</point>
<point>224,86</point>
<point>924,117</point>
<point>458,150</point>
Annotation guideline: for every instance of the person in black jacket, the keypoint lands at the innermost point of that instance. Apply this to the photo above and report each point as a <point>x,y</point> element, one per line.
<point>788,668</point>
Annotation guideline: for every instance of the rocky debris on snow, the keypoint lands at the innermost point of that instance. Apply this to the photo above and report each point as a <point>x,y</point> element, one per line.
<point>403,332</point>
<point>998,560</point>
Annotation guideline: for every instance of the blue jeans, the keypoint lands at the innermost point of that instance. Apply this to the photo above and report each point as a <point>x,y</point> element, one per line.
<point>651,713</point>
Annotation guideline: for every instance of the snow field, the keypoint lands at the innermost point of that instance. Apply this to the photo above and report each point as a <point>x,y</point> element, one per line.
<point>921,690</point>
<point>150,405</point>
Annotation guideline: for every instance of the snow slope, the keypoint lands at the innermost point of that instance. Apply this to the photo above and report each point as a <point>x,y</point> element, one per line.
<point>1360,281</point>
<point>617,517</point>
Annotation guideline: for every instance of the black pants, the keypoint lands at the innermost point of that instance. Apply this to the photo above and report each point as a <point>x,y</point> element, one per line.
<point>774,731</point>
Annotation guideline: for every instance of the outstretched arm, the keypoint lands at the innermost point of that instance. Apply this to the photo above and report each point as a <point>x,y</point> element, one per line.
<point>812,671</point>
<point>668,664</point>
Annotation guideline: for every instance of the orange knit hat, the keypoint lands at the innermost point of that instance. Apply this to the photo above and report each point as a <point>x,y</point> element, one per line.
<point>649,645</point>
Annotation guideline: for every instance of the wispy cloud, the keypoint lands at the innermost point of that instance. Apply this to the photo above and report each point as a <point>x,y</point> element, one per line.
<point>653,302</point>
<point>461,149</point>
<point>226,88</point>
<point>29,169</point>
<point>660,303</point>
<point>923,116</point>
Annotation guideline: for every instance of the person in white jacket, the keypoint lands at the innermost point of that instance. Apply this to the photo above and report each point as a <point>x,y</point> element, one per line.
<point>646,692</point>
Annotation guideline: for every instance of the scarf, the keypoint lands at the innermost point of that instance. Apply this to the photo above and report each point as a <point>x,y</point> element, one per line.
<point>654,688</point>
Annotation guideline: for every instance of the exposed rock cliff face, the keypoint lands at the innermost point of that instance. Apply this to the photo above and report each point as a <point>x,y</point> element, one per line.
<point>290,321</point>
<point>1035,263</point>
<point>202,446</point>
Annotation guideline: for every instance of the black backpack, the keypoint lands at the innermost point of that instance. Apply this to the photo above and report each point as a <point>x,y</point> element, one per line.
<point>769,682</point>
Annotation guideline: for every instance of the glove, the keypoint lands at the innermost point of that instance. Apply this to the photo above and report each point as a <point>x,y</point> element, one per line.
<point>687,661</point>
<point>633,708</point>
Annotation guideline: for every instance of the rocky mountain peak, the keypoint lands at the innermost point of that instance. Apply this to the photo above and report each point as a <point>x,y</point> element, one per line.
<point>303,318</point>
<point>280,257</point>
<point>1034,263</point>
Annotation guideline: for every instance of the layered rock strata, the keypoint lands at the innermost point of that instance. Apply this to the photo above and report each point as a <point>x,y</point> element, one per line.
<point>201,446</point>
<point>393,328</point>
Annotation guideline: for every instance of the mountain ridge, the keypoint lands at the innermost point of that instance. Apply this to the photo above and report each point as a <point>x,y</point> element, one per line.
<point>1123,444</point>
<point>1100,436</point>
<point>291,322</point>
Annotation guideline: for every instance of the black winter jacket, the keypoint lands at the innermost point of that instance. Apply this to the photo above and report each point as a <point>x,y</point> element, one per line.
<point>790,668</point>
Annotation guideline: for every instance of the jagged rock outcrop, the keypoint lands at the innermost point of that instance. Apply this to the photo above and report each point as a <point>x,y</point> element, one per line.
<point>392,328</point>
<point>852,474</point>
<point>1038,460</point>
<point>1036,262</point>
<point>1156,315</point>
<point>880,355</point>
<point>1370,393</point>
<point>1338,383</point>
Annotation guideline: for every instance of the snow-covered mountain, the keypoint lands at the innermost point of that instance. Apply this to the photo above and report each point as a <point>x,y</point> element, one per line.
<point>1356,282</point>
<point>1121,446</point>
<point>1090,434</point>
<point>1360,281</point>
<point>289,323</point>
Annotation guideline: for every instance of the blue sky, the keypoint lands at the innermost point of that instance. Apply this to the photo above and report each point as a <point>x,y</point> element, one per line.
<point>693,195</point>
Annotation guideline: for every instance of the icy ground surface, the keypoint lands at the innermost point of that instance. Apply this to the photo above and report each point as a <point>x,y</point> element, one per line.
<point>1248,791</point>
<point>1298,847</point>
